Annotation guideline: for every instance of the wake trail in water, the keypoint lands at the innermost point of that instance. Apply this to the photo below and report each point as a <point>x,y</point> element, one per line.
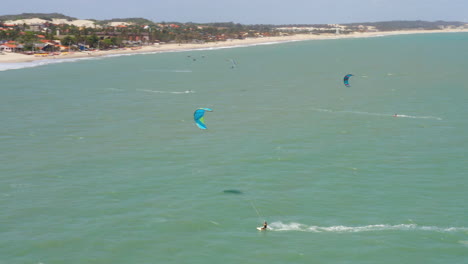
<point>280,226</point>
<point>115,89</point>
<point>166,70</point>
<point>375,114</point>
<point>168,92</point>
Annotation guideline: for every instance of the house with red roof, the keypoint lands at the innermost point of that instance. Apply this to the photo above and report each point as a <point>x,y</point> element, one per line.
<point>7,47</point>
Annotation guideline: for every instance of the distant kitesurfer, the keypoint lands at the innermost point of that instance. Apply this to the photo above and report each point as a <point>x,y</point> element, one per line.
<point>395,115</point>
<point>265,225</point>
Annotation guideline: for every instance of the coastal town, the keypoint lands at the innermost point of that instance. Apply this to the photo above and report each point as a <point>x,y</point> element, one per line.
<point>45,35</point>
<point>39,36</point>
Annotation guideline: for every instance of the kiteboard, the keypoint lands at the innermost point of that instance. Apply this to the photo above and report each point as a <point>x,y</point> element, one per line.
<point>260,228</point>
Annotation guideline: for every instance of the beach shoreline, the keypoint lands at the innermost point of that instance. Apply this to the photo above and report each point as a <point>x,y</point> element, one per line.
<point>9,58</point>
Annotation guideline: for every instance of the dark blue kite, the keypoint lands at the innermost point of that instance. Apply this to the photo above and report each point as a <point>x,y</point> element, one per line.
<point>346,79</point>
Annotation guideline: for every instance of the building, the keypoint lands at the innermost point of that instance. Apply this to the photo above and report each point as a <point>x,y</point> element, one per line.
<point>7,47</point>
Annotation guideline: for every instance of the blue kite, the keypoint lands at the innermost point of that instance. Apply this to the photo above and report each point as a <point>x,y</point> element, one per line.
<point>198,117</point>
<point>346,80</point>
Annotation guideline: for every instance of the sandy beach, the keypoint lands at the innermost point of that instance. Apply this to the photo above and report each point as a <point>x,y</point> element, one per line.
<point>7,57</point>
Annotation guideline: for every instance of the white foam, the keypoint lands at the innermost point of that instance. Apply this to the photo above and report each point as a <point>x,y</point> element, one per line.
<point>32,64</point>
<point>421,117</point>
<point>280,226</point>
<point>115,89</point>
<point>376,114</point>
<point>214,223</point>
<point>155,91</point>
<point>166,70</point>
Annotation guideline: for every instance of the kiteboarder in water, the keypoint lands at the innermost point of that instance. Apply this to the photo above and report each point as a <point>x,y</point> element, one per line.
<point>265,225</point>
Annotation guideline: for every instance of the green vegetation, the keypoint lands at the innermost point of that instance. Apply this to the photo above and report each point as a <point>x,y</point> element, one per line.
<point>136,21</point>
<point>140,30</point>
<point>143,31</point>
<point>44,16</point>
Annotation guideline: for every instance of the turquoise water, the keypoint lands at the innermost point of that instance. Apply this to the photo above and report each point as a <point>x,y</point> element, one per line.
<point>101,161</point>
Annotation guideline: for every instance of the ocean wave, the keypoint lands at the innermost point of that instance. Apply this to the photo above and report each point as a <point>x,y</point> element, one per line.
<point>248,45</point>
<point>38,63</point>
<point>280,226</point>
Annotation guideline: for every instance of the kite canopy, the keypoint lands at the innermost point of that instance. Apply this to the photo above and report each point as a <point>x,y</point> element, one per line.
<point>346,79</point>
<point>198,117</point>
<point>233,63</point>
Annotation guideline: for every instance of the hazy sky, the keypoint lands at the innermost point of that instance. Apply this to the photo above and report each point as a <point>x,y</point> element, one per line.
<point>250,11</point>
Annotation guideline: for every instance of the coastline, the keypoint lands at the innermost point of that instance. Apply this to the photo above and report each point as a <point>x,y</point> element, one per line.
<point>11,58</point>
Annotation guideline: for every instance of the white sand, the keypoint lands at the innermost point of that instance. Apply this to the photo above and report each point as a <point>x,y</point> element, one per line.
<point>15,57</point>
<point>30,21</point>
<point>34,21</point>
<point>82,23</point>
<point>115,24</point>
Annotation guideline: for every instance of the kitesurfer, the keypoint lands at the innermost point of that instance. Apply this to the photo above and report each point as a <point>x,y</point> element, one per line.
<point>265,225</point>
<point>395,115</point>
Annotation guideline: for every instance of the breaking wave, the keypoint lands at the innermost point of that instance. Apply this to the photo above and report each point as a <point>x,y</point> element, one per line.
<point>32,64</point>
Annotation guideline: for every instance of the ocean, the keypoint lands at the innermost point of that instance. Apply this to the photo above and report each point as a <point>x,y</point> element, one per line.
<point>101,161</point>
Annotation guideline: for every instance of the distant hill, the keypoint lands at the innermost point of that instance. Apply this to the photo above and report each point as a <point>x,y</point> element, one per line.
<point>381,26</point>
<point>407,25</point>
<point>134,20</point>
<point>388,25</point>
<point>44,16</point>
<point>50,16</point>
